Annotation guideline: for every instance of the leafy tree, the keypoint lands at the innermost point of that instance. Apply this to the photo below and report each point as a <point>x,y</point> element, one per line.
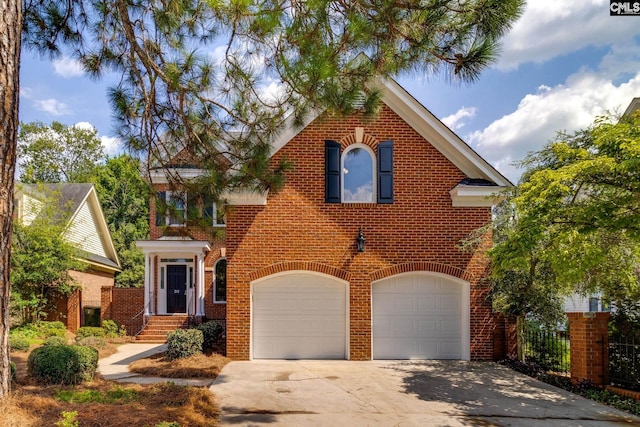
<point>124,197</point>
<point>226,105</point>
<point>57,153</point>
<point>41,260</point>
<point>573,225</point>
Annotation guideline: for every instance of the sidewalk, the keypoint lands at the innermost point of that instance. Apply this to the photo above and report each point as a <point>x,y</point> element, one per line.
<point>116,366</point>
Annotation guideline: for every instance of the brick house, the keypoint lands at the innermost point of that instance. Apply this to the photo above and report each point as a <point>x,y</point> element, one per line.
<point>78,209</point>
<point>356,257</point>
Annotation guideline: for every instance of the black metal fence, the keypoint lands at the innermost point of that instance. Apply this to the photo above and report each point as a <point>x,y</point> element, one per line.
<point>624,363</point>
<point>548,349</point>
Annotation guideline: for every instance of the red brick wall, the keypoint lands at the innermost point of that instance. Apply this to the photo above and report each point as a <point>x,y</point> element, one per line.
<point>122,305</point>
<point>67,309</point>
<point>589,337</point>
<point>419,230</point>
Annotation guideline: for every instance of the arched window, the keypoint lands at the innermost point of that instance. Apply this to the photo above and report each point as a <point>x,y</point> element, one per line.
<point>358,174</point>
<point>220,281</point>
<point>349,176</point>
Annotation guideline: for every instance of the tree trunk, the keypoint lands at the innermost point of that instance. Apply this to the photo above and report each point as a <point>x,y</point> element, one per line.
<point>10,32</point>
<point>520,336</point>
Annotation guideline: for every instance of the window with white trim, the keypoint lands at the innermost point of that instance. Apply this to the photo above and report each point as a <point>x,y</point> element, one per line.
<point>216,213</point>
<point>175,208</point>
<point>220,281</point>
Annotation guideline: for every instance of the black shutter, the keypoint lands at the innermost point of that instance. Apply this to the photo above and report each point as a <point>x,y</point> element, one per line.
<point>385,172</point>
<point>161,205</point>
<point>332,172</point>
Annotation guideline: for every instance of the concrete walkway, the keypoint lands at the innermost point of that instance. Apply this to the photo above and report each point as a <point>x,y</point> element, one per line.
<point>398,393</point>
<point>116,366</point>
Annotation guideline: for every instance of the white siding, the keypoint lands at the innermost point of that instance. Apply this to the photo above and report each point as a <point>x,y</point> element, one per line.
<point>30,209</point>
<point>84,233</point>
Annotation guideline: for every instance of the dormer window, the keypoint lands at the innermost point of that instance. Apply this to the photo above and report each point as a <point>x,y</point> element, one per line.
<point>358,175</point>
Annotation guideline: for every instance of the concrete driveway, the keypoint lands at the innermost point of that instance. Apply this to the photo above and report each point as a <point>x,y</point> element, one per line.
<point>398,393</point>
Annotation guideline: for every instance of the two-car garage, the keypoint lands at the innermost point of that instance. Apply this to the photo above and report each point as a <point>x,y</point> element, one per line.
<point>304,315</point>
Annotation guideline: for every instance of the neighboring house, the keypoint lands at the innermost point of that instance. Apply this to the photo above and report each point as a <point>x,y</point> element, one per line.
<point>80,212</point>
<point>577,303</point>
<point>356,257</point>
<point>581,304</point>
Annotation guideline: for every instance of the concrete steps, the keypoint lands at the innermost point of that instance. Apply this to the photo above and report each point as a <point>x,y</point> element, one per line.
<point>159,326</point>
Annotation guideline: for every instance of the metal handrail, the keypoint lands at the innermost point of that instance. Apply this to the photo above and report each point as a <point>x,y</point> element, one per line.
<point>145,321</point>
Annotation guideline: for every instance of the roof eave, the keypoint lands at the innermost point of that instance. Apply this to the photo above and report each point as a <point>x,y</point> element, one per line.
<point>477,196</point>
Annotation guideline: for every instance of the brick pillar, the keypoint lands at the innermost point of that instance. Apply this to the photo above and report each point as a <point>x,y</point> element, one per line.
<point>589,337</point>
<point>74,311</point>
<point>505,342</point>
<point>106,303</point>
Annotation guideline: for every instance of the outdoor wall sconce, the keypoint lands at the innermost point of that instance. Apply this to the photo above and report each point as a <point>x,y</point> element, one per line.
<point>360,241</point>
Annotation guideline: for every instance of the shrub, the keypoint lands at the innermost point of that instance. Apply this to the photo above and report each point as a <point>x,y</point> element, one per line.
<point>55,341</point>
<point>212,333</point>
<point>12,367</point>
<point>28,331</point>
<point>184,343</point>
<point>63,364</point>
<point>18,343</point>
<point>68,419</point>
<point>112,330</point>
<point>90,331</point>
<point>95,342</point>
<point>51,329</point>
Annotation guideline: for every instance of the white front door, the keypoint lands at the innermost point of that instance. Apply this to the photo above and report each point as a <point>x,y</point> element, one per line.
<point>299,316</point>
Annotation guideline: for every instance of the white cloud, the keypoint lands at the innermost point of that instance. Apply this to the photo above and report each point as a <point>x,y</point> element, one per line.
<point>566,107</point>
<point>52,106</point>
<point>111,145</point>
<point>551,28</point>
<point>364,192</point>
<point>67,67</point>
<point>84,125</point>
<point>25,92</point>
<point>455,121</point>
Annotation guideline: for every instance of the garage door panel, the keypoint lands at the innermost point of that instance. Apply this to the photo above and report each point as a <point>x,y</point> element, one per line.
<point>298,348</point>
<point>417,317</point>
<point>292,326</point>
<point>299,316</point>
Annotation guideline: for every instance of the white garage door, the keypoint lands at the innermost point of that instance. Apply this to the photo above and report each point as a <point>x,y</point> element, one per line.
<point>419,316</point>
<point>299,316</point>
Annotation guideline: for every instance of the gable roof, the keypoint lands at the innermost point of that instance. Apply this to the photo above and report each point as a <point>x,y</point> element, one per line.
<point>481,187</point>
<point>80,212</point>
<point>633,106</point>
<point>427,125</point>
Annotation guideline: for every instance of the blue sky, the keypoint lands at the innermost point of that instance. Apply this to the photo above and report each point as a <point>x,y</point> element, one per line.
<point>562,65</point>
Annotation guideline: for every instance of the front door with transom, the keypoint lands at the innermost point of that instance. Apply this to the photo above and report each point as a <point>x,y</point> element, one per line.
<point>176,288</point>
